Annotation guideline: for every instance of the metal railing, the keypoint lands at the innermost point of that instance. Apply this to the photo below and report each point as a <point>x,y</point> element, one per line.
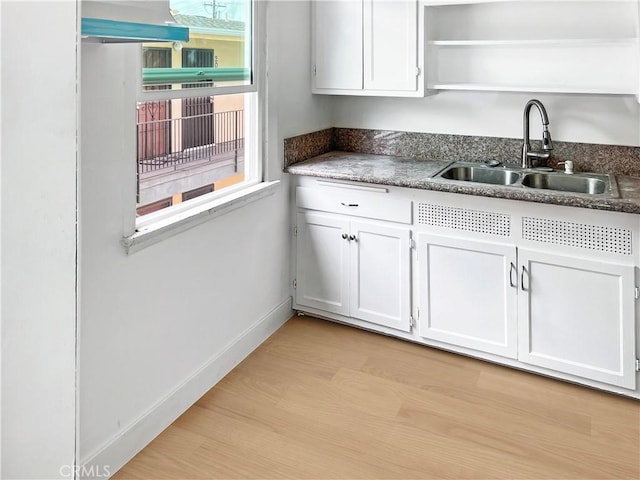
<point>165,142</point>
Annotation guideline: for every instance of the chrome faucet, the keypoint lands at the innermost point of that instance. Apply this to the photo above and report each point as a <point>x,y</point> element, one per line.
<point>527,153</point>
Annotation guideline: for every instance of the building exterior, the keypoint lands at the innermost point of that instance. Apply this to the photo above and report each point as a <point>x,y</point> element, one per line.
<point>190,147</point>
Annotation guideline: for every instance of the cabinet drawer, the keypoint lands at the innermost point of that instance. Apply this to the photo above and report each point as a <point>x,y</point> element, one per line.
<point>357,203</point>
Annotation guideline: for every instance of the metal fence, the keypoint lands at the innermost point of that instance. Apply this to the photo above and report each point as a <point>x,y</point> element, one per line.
<point>165,142</point>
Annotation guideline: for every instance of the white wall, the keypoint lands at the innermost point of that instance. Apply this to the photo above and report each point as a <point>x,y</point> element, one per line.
<point>293,110</point>
<point>613,120</point>
<point>38,222</point>
<point>154,324</point>
<point>0,243</point>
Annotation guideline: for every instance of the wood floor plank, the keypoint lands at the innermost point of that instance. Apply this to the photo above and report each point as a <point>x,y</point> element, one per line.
<point>320,400</point>
<point>327,446</point>
<point>426,372</point>
<point>166,457</point>
<point>474,435</point>
<point>466,386</point>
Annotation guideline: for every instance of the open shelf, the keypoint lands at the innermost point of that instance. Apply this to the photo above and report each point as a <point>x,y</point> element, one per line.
<point>524,88</point>
<point>535,46</point>
<point>581,42</point>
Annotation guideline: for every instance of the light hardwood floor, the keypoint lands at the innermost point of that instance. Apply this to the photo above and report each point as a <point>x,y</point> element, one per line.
<point>325,401</point>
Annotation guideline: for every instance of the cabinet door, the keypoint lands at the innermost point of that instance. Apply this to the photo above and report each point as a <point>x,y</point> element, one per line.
<point>578,317</point>
<point>390,45</point>
<point>337,44</point>
<point>468,293</point>
<point>381,274</point>
<point>322,262</point>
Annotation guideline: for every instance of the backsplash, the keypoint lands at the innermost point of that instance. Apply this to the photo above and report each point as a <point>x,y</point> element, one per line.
<point>616,159</point>
<point>304,147</point>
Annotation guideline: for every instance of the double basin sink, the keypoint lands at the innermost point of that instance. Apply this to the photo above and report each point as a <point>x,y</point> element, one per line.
<point>558,181</point>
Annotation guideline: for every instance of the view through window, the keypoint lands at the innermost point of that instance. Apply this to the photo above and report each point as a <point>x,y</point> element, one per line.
<point>197,143</point>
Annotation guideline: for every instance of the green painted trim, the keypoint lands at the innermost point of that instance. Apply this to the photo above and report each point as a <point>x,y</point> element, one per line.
<point>112,31</point>
<point>165,76</point>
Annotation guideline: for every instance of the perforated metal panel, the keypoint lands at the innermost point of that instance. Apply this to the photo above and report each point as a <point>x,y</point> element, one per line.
<point>580,235</point>
<point>463,219</point>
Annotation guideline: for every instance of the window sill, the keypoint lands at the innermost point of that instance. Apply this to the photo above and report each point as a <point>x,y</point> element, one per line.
<point>171,225</point>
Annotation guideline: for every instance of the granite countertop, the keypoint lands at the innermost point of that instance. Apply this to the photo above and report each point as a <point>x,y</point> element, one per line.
<point>416,173</point>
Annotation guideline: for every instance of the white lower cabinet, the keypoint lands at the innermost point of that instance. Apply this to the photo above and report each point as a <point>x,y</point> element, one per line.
<point>354,268</point>
<point>562,313</point>
<point>322,279</point>
<point>549,289</point>
<point>467,293</point>
<point>577,316</point>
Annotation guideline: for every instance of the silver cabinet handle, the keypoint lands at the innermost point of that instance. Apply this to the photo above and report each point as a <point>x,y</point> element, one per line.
<point>524,270</point>
<point>345,236</point>
<point>348,204</point>
<point>353,237</point>
<point>512,269</point>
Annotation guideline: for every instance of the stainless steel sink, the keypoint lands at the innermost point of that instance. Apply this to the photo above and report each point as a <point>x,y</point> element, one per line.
<point>592,184</point>
<point>512,176</point>
<point>481,174</point>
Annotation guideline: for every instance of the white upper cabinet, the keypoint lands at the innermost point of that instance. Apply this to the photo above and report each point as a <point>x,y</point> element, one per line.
<point>366,47</point>
<point>390,46</point>
<point>337,45</point>
<point>381,47</point>
<point>535,46</point>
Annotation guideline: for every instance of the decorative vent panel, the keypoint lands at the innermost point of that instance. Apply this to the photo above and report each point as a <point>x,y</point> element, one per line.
<point>580,235</point>
<point>463,219</point>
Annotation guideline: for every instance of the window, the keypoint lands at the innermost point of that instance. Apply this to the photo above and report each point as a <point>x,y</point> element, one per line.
<point>197,58</point>
<point>156,57</point>
<point>198,110</point>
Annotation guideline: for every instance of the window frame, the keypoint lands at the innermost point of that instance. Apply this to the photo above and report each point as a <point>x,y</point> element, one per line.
<point>153,227</point>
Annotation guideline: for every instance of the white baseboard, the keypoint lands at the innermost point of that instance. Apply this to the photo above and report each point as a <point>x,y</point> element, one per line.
<point>123,447</point>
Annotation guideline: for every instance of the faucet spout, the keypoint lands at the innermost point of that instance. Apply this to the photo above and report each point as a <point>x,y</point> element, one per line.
<point>547,146</point>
